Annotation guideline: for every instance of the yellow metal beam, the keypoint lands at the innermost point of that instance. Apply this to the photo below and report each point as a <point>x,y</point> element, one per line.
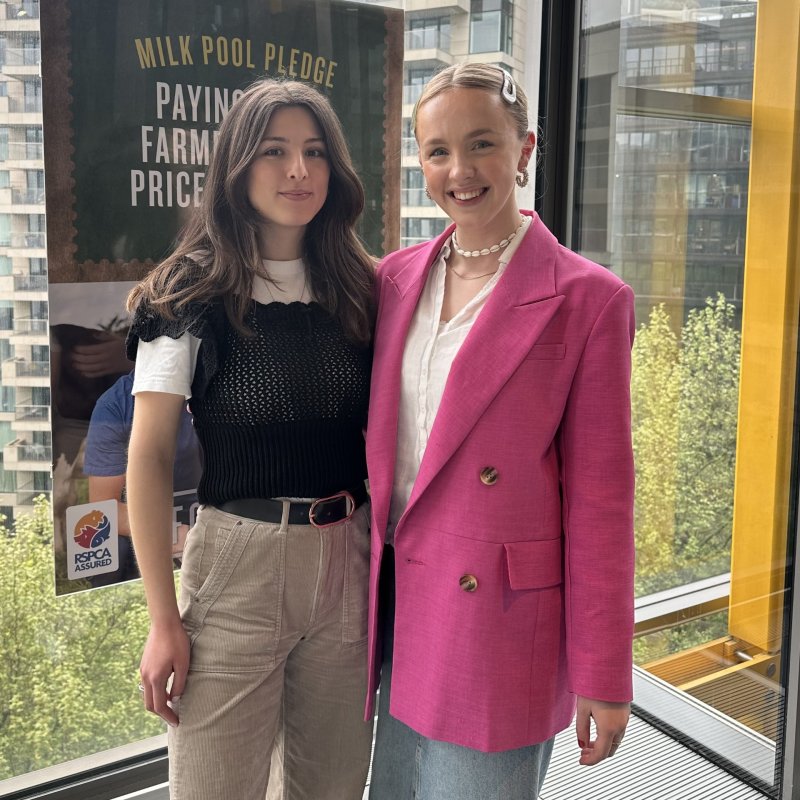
<point>769,334</point>
<point>721,675</point>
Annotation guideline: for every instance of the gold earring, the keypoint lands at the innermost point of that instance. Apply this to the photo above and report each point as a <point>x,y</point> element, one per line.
<point>522,178</point>
<point>427,192</point>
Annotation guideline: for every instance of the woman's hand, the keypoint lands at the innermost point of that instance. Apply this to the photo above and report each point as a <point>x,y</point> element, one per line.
<point>610,721</point>
<point>166,654</point>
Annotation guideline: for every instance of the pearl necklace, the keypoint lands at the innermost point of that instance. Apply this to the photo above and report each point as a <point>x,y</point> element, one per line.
<point>486,250</point>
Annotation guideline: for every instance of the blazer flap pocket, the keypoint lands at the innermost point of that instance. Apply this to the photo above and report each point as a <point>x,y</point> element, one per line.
<point>534,565</point>
<point>547,351</point>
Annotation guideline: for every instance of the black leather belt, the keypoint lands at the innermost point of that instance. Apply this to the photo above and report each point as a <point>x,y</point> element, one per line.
<point>320,513</point>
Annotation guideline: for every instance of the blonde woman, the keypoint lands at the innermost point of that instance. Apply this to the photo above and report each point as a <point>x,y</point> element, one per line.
<point>501,475</point>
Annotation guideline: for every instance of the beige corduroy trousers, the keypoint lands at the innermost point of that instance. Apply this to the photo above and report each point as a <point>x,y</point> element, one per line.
<point>274,699</point>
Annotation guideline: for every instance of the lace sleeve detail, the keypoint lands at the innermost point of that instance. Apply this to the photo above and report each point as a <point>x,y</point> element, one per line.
<point>205,321</point>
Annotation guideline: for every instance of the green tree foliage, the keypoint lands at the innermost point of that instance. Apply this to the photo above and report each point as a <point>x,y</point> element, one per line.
<point>654,416</point>
<point>709,397</point>
<point>69,665</point>
<point>684,396</point>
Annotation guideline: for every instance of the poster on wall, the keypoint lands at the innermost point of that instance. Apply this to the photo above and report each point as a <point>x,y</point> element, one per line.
<point>132,96</point>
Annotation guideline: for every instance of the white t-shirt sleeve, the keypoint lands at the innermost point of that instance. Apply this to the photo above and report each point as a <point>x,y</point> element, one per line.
<point>166,365</point>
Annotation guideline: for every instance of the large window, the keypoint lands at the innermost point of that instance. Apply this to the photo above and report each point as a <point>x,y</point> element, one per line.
<point>664,182</point>
<point>662,190</point>
<point>413,192</point>
<point>424,33</point>
<point>416,78</point>
<point>420,229</point>
<point>491,26</point>
<point>32,93</point>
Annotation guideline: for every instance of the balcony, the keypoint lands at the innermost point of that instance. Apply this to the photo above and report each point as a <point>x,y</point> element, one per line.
<point>25,242</point>
<point>415,197</point>
<point>21,372</point>
<point>427,39</point>
<point>27,419</point>
<point>21,151</point>
<point>26,494</point>
<point>20,455</point>
<point>411,93</point>
<point>32,413</point>
<point>30,283</point>
<point>27,197</point>
<point>33,369</point>
<point>27,105</point>
<point>408,241</point>
<point>23,56</point>
<point>33,452</point>
<point>22,61</point>
<point>26,9</point>
<point>410,148</point>
<point>28,325</point>
<point>444,6</point>
<point>23,287</point>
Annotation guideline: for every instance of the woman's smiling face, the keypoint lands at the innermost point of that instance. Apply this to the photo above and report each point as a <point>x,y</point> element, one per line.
<point>470,153</point>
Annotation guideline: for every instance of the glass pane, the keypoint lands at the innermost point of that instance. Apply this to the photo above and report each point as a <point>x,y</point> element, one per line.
<point>702,48</point>
<point>69,665</point>
<point>661,197</point>
<point>485,32</point>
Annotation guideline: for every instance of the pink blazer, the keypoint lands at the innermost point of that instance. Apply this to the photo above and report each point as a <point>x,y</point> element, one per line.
<point>514,557</point>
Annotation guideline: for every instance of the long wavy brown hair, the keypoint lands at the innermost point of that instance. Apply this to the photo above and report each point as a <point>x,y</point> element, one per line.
<point>217,254</point>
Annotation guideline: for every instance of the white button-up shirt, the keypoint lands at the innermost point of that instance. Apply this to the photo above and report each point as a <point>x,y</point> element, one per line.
<point>431,347</point>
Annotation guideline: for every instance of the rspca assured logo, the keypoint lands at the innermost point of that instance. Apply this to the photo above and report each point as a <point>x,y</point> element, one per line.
<point>92,530</point>
<point>92,539</point>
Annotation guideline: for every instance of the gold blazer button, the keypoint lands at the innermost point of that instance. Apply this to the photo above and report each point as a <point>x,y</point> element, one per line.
<point>489,475</point>
<point>469,583</point>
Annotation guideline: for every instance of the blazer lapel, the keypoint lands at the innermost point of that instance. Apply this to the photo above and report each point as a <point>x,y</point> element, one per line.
<point>515,315</point>
<point>398,300</point>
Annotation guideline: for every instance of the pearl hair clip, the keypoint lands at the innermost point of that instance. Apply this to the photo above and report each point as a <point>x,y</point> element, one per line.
<point>509,90</point>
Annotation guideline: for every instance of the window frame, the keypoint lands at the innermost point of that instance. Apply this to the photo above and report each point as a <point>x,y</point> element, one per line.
<point>559,80</point>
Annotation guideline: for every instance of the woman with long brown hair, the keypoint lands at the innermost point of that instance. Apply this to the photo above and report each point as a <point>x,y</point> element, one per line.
<point>261,319</point>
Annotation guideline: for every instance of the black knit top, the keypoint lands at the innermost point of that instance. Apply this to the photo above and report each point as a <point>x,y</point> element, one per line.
<point>278,414</point>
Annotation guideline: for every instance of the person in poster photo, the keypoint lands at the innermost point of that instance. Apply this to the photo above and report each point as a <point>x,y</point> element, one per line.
<point>501,475</point>
<point>105,463</point>
<point>261,318</point>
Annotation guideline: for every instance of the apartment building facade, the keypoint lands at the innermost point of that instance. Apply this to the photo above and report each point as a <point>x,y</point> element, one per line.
<point>24,362</point>
<point>440,33</point>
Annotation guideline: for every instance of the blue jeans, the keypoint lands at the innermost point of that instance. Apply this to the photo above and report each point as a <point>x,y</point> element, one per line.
<point>408,766</point>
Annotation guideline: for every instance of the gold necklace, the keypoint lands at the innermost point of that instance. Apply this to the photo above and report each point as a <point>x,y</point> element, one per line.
<point>471,277</point>
<point>302,291</point>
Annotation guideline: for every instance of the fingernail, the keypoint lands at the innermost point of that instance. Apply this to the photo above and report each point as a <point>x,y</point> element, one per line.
<point>581,743</point>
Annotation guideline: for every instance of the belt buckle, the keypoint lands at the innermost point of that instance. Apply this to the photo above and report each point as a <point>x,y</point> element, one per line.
<point>350,507</point>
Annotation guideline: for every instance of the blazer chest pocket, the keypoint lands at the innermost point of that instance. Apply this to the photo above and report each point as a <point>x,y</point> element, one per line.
<point>534,564</point>
<point>547,352</point>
